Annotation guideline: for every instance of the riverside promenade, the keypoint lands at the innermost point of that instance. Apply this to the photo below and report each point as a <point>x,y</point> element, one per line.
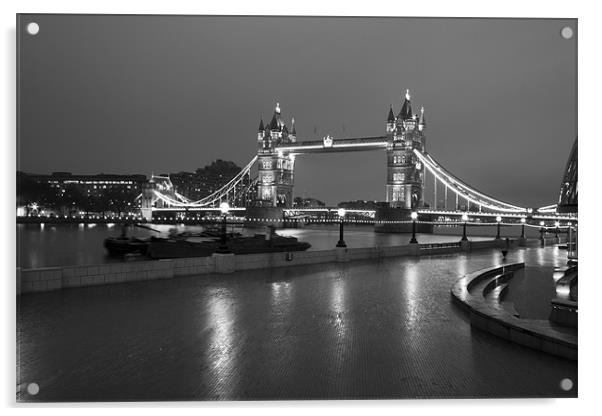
<point>377,328</point>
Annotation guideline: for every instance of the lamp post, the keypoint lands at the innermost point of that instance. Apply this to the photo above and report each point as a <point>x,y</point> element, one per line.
<point>465,219</point>
<point>498,219</point>
<point>414,216</point>
<point>341,212</point>
<point>523,220</point>
<point>541,232</point>
<point>224,207</point>
<point>570,241</point>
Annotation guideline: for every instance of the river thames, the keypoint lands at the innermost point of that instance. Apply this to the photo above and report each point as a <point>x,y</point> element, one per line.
<point>51,245</point>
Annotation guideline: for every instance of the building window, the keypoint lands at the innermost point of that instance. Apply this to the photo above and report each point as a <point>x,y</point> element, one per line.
<point>398,176</point>
<point>397,195</point>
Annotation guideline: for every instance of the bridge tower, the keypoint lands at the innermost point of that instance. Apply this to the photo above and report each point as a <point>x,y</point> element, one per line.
<point>275,172</point>
<point>405,175</point>
<point>148,199</point>
<point>275,169</point>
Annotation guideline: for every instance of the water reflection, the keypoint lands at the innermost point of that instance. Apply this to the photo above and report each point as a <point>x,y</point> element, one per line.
<point>280,296</point>
<point>337,302</point>
<point>221,345</point>
<point>520,256</point>
<point>81,244</point>
<point>410,279</point>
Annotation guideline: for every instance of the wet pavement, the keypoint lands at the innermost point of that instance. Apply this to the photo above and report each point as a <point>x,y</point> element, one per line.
<point>363,329</point>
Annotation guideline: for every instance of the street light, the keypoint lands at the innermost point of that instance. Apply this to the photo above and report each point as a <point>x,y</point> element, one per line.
<point>341,212</point>
<point>414,216</point>
<point>465,219</point>
<point>541,232</point>
<point>224,207</point>
<point>570,241</point>
<point>498,219</point>
<point>523,220</point>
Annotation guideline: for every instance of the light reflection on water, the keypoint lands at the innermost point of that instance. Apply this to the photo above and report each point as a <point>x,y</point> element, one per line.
<point>410,278</point>
<point>221,345</point>
<point>337,300</point>
<point>280,297</point>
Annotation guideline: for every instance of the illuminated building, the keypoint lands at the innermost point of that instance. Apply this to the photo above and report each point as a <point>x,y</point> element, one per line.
<point>275,170</point>
<point>405,173</point>
<point>91,185</point>
<point>89,193</point>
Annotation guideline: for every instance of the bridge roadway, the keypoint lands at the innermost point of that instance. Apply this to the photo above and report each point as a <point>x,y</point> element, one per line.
<point>363,329</point>
<point>338,145</point>
<point>371,212</point>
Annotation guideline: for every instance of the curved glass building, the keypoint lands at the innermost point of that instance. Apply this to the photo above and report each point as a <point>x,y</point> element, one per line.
<point>567,201</point>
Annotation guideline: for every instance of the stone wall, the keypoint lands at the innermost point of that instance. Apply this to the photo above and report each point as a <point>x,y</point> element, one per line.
<point>53,278</point>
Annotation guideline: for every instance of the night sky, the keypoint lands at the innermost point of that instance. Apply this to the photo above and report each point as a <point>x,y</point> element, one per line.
<point>159,94</point>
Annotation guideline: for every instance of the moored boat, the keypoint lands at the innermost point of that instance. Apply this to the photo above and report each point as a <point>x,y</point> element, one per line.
<point>119,246</point>
<point>178,248</point>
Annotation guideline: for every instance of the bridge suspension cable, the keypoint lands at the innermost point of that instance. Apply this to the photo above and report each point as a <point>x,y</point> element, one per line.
<point>227,188</point>
<point>462,189</point>
<point>217,196</point>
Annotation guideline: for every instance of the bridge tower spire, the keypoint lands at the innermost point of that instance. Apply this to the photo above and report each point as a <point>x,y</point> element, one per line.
<point>405,174</point>
<point>293,134</point>
<point>260,129</point>
<point>390,120</point>
<point>406,108</point>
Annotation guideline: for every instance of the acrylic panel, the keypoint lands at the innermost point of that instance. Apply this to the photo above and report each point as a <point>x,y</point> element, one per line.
<point>295,208</point>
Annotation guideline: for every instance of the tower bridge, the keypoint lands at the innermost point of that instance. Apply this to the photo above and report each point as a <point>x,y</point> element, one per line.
<point>268,194</point>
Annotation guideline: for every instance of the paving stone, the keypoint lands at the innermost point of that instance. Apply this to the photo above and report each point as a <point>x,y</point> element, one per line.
<point>367,329</point>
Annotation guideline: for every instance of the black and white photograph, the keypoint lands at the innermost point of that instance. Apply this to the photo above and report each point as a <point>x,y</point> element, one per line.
<point>295,208</point>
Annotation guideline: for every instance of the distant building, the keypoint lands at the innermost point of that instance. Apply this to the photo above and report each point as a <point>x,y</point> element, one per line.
<point>567,200</point>
<point>94,185</point>
<point>299,202</point>
<point>91,193</point>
